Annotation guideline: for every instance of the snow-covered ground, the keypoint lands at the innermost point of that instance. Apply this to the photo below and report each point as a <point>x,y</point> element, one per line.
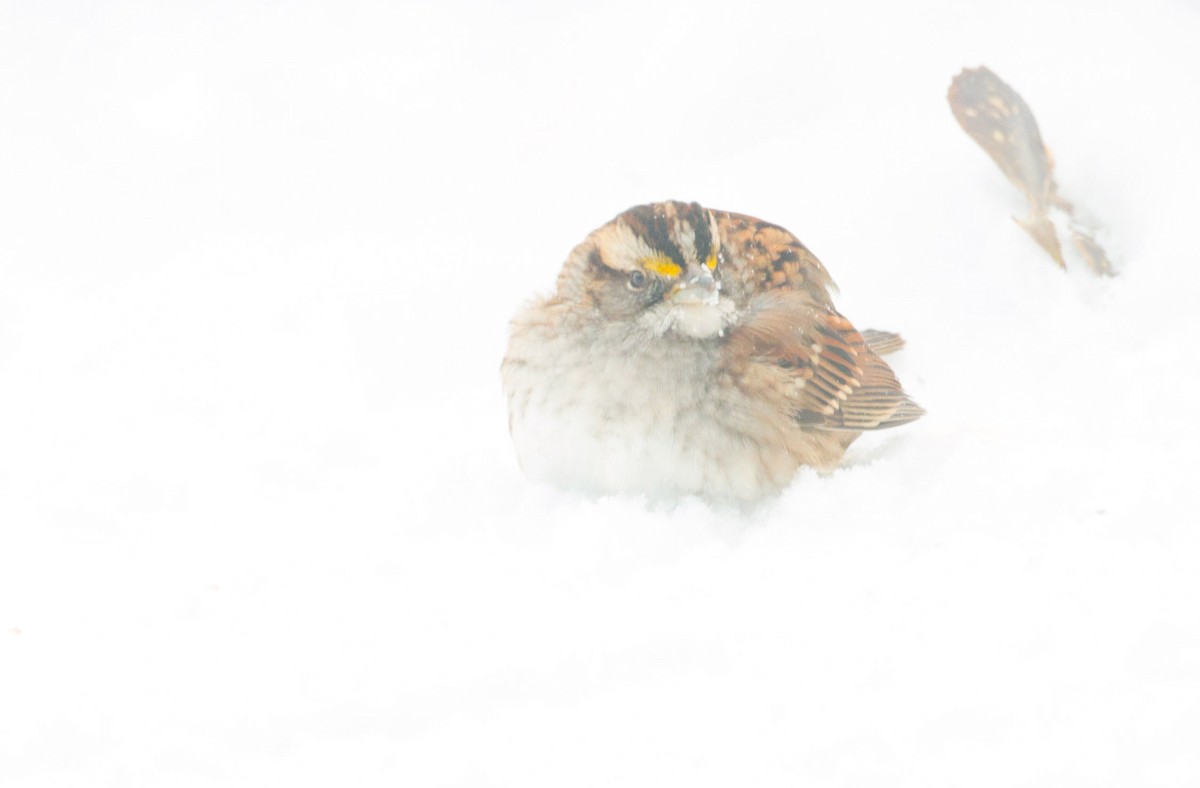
<point>260,521</point>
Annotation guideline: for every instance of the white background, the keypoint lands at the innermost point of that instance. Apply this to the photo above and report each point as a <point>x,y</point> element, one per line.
<point>260,521</point>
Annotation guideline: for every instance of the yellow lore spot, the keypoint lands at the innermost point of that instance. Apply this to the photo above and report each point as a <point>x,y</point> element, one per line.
<point>711,262</point>
<point>662,265</point>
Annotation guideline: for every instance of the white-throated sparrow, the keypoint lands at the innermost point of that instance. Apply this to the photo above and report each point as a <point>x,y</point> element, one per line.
<point>692,351</point>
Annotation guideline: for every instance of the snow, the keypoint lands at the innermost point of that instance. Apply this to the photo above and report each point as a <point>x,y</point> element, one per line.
<point>260,519</point>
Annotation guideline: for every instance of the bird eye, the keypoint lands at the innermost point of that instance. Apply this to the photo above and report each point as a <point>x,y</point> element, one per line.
<point>637,280</point>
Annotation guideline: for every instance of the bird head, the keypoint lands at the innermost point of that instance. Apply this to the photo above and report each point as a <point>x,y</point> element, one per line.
<point>654,268</point>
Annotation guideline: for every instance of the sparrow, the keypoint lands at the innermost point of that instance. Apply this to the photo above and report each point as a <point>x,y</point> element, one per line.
<point>999,120</point>
<point>690,351</point>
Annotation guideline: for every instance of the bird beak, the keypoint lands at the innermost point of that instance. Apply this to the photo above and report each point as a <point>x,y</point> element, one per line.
<point>696,286</point>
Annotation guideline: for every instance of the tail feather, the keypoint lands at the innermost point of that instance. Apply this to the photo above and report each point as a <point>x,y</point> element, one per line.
<point>883,342</point>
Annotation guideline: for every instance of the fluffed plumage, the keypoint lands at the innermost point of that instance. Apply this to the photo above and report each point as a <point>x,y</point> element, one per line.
<point>692,351</point>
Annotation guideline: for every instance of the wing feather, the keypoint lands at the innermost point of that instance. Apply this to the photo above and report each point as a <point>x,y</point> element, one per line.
<point>830,377</point>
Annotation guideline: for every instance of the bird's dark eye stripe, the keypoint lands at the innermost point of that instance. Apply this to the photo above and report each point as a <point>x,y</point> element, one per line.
<point>595,261</point>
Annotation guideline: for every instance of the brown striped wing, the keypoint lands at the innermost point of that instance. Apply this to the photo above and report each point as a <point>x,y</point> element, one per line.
<point>1000,121</point>
<point>828,374</point>
<point>758,256</point>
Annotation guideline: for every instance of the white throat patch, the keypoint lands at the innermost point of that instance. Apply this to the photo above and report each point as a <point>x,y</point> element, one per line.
<point>701,320</point>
